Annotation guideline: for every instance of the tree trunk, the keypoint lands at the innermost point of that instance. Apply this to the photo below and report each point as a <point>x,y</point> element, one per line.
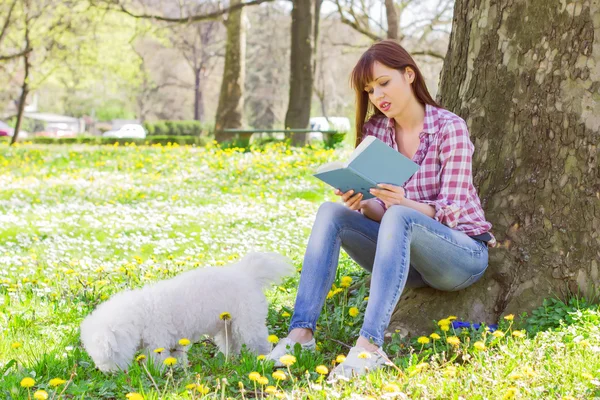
<point>301,77</point>
<point>392,19</point>
<point>231,98</point>
<point>198,101</point>
<point>24,88</point>
<point>529,91</point>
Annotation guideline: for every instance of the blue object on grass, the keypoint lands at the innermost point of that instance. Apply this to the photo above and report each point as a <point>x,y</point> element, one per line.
<point>463,324</point>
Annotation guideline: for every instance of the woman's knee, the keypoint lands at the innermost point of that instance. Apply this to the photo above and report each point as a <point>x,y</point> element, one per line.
<point>331,211</point>
<point>398,213</point>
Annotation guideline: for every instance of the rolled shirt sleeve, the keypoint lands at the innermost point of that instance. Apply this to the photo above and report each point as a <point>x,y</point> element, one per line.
<point>456,177</point>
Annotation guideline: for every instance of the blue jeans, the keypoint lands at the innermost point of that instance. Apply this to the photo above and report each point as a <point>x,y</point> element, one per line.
<point>407,248</point>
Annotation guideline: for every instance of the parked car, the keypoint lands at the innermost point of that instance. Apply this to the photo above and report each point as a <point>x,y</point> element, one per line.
<point>6,130</point>
<point>127,131</point>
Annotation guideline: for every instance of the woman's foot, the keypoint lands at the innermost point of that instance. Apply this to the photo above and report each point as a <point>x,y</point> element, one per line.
<point>286,345</point>
<point>359,361</point>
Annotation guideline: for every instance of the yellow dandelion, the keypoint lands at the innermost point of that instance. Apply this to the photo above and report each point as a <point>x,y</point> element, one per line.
<point>340,359</point>
<point>450,371</point>
<point>287,360</point>
<point>445,328</point>
<point>202,389</point>
<point>364,355</point>
<point>435,336</point>
<point>261,357</point>
<point>286,314</point>
<point>514,376</point>
<point>184,342</point>
<point>271,390</point>
<point>479,345</point>
<point>56,382</point>
<point>254,376</point>
<point>16,345</point>
<point>445,321</point>
<point>510,393</point>
<point>40,395</point>
<point>353,311</point>
<point>140,357</point>
<point>322,370</point>
<point>366,298</point>
<point>225,316</point>
<point>423,340</point>
<point>273,339</point>
<point>134,396</point>
<point>190,386</point>
<point>329,295</point>
<point>584,343</point>
<point>170,361</point>
<point>529,372</point>
<point>346,281</point>
<point>390,387</point>
<point>519,334</point>
<point>498,334</point>
<point>27,382</point>
<point>279,375</point>
<point>422,366</point>
<point>263,380</point>
<point>509,317</point>
<point>453,340</point>
<point>159,350</point>
<point>452,318</point>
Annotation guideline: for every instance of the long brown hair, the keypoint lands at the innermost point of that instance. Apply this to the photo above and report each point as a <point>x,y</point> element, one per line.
<point>392,55</point>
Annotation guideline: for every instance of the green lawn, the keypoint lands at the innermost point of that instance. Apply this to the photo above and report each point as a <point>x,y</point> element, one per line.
<point>79,223</point>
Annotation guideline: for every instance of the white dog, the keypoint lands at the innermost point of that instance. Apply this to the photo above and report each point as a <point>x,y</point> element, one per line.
<point>186,306</point>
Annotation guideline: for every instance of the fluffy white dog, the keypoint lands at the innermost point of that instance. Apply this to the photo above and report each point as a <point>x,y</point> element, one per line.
<point>186,306</point>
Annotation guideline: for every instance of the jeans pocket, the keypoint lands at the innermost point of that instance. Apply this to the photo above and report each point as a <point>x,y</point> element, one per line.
<point>472,279</point>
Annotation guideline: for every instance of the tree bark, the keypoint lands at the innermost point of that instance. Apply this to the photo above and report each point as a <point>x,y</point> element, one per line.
<point>24,87</point>
<point>392,19</point>
<point>231,98</point>
<point>301,76</point>
<point>198,102</point>
<point>530,93</point>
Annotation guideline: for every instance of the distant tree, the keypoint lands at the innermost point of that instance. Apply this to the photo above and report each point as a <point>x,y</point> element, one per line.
<point>230,110</point>
<point>301,68</point>
<point>201,46</point>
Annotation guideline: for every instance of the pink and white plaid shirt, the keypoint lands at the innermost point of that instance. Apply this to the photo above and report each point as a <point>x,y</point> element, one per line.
<point>444,179</point>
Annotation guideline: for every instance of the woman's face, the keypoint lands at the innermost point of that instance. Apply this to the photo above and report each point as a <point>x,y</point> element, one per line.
<point>390,89</point>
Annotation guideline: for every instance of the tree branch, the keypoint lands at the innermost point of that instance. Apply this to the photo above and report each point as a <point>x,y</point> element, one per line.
<point>7,22</point>
<point>15,55</point>
<point>354,24</point>
<point>193,18</point>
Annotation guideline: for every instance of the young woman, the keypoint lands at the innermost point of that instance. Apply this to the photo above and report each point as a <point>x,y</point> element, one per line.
<point>432,231</point>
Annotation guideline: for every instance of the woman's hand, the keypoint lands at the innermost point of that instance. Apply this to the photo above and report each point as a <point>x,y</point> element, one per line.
<point>351,200</point>
<point>389,194</point>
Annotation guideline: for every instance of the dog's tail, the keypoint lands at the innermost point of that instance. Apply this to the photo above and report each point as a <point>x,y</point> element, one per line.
<point>267,268</point>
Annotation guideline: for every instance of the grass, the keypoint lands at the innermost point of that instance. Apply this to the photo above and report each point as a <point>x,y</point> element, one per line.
<point>80,223</point>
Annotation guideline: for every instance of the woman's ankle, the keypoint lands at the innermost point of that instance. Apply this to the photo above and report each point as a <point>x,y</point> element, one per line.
<point>301,335</point>
<point>366,344</point>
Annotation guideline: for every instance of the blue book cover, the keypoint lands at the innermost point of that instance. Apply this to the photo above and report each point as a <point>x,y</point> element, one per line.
<point>372,162</point>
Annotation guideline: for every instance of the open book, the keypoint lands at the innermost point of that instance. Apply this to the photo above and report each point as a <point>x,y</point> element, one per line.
<point>372,162</point>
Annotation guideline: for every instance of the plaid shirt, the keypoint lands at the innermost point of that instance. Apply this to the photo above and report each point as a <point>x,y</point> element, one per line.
<point>444,179</point>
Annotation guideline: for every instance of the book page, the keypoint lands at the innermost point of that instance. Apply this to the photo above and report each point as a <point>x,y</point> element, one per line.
<point>330,166</point>
<point>361,147</point>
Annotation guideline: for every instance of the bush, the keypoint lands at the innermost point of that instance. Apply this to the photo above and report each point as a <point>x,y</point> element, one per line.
<point>331,141</point>
<point>99,140</point>
<point>176,128</point>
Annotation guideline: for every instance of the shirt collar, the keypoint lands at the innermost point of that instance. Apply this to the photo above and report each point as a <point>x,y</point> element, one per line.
<point>430,124</point>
